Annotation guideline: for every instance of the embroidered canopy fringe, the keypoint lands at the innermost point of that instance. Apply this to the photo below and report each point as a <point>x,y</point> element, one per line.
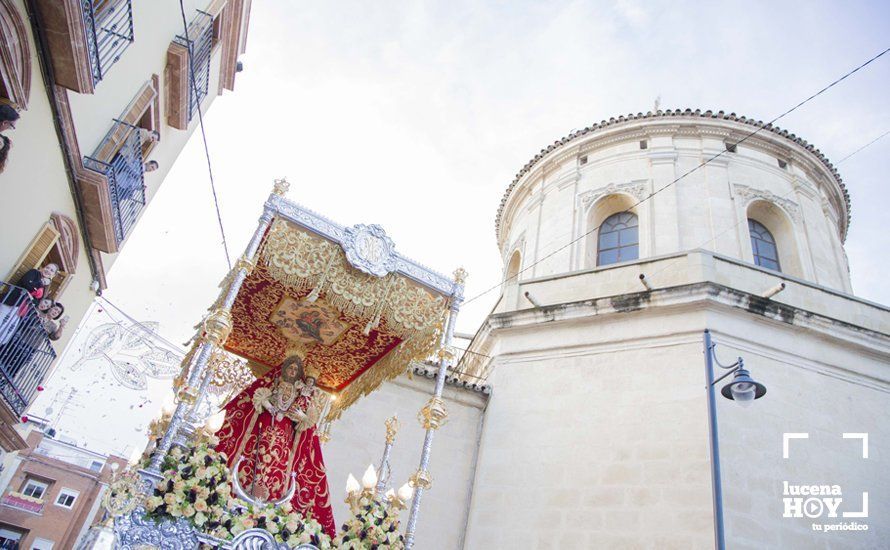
<point>391,366</point>
<point>304,261</point>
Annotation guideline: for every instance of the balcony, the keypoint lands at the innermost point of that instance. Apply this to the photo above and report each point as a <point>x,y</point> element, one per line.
<point>22,502</point>
<point>85,38</point>
<point>26,356</point>
<point>187,87</point>
<point>119,161</point>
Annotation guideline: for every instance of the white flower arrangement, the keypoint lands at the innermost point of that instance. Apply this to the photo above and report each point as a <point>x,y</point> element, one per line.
<point>284,524</point>
<point>374,524</point>
<point>196,487</point>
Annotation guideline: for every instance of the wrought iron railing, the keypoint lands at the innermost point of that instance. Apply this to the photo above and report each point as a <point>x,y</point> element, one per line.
<point>199,43</point>
<point>109,28</point>
<point>26,353</point>
<point>124,171</point>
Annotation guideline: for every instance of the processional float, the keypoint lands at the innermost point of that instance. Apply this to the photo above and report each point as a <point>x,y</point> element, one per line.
<point>323,314</point>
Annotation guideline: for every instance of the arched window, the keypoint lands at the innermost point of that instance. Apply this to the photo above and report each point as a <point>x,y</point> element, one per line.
<point>618,239</point>
<point>763,245</point>
<point>512,274</point>
<point>15,61</point>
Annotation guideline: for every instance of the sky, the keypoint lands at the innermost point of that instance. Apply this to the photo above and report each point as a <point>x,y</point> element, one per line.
<point>417,116</point>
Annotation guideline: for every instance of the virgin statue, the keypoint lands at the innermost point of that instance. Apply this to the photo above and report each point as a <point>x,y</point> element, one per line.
<point>269,433</point>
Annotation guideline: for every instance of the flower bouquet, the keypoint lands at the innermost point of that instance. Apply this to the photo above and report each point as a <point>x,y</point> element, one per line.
<point>196,487</point>
<point>374,524</point>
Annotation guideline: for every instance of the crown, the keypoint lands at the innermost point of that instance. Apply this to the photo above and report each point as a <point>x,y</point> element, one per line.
<point>311,371</point>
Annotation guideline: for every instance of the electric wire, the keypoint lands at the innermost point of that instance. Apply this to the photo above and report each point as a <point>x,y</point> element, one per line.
<point>872,142</point>
<point>194,86</point>
<point>673,261</point>
<point>173,347</point>
<point>682,176</point>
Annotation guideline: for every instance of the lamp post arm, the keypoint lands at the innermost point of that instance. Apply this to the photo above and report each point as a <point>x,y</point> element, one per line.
<point>739,362</point>
<point>734,369</point>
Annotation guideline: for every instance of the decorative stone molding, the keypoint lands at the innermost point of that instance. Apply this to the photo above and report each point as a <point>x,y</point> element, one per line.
<point>176,86</point>
<point>791,145</point>
<point>231,23</point>
<point>535,201</point>
<point>636,189</point>
<point>749,195</point>
<point>69,241</point>
<point>829,212</point>
<point>518,244</point>
<point>15,55</point>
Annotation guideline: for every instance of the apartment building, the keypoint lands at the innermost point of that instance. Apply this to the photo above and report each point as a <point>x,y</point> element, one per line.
<point>52,491</point>
<point>97,99</point>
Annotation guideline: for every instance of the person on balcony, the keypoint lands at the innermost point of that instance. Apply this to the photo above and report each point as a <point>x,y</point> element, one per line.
<point>5,146</point>
<point>51,321</point>
<point>35,327</point>
<point>8,116</point>
<point>33,280</point>
<point>14,304</point>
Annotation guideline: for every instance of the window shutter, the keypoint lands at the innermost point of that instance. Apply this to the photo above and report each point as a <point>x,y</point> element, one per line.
<point>36,252</point>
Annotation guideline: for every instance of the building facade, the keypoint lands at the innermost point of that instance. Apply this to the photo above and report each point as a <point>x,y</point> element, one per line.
<point>595,433</point>
<point>105,101</point>
<point>52,493</point>
<point>357,440</point>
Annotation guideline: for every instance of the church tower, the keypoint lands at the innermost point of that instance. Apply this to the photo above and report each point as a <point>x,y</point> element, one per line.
<point>621,244</point>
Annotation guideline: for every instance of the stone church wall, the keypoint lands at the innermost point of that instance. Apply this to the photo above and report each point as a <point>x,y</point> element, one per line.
<point>596,434</point>
<point>358,440</point>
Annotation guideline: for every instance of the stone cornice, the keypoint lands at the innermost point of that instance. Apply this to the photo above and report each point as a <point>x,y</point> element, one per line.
<point>700,120</point>
<point>685,294</point>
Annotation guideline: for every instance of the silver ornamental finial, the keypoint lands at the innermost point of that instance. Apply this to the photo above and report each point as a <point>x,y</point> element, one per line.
<point>281,186</point>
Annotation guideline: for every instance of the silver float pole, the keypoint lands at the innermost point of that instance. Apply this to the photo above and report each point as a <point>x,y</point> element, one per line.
<point>217,327</point>
<point>433,414</point>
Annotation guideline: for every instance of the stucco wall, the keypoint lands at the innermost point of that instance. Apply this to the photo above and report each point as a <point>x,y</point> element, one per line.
<point>816,387</point>
<point>596,432</point>
<point>156,24</point>
<point>588,445</point>
<point>34,186</point>
<point>358,440</point>
<point>35,183</point>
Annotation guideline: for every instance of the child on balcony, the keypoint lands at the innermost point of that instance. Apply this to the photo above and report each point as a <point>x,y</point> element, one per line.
<point>37,325</point>
<point>14,303</point>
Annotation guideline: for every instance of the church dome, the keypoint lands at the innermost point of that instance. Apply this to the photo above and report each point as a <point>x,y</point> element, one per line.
<point>635,187</point>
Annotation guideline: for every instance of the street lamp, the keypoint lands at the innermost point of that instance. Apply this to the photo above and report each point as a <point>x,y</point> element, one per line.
<point>743,390</point>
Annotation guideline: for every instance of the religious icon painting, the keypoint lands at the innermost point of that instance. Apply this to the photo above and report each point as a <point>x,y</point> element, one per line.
<point>308,322</point>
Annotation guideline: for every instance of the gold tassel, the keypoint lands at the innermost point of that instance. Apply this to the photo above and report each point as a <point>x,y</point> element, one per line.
<point>313,296</point>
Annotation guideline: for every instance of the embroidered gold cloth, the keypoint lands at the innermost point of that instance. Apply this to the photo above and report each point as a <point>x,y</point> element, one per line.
<point>359,330</point>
